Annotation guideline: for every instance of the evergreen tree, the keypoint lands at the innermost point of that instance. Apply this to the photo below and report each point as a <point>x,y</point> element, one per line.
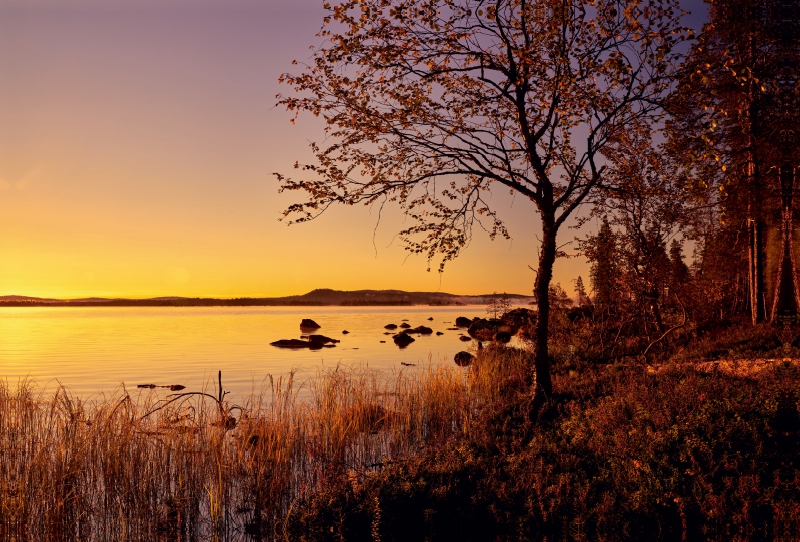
<point>679,271</point>
<point>601,250</point>
<point>581,299</point>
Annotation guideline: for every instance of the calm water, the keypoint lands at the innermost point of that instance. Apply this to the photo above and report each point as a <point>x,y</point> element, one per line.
<point>93,350</point>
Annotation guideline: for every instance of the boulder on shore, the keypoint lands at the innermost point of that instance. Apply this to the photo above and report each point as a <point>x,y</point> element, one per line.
<point>390,326</point>
<point>422,330</point>
<point>402,340</point>
<point>463,321</point>
<point>308,323</point>
<point>485,330</point>
<point>502,337</point>
<point>519,317</point>
<point>463,359</point>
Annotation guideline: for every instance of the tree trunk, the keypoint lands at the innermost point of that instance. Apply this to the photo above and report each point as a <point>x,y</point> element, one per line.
<point>755,222</point>
<point>547,257</point>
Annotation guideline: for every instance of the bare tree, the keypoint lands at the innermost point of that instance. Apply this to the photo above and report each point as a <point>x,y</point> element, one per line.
<point>498,305</point>
<point>431,104</point>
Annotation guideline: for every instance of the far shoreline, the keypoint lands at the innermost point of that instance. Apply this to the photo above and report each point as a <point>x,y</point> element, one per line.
<point>315,298</point>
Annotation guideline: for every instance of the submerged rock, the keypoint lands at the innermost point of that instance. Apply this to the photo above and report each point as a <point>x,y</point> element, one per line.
<point>322,339</point>
<point>422,330</point>
<point>464,338</point>
<point>295,343</point>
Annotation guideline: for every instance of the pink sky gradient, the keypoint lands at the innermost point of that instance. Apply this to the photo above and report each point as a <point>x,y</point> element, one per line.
<point>137,142</point>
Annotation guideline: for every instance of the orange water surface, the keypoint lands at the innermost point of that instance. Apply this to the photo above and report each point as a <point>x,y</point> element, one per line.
<point>95,350</point>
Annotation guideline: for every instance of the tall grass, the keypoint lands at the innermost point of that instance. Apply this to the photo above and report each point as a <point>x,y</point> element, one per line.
<point>139,465</point>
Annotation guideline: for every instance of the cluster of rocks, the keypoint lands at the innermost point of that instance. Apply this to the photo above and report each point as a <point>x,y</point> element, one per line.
<point>404,338</point>
<point>309,340</point>
<point>498,330</point>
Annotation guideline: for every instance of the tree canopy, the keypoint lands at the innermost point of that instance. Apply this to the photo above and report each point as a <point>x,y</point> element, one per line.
<point>433,104</point>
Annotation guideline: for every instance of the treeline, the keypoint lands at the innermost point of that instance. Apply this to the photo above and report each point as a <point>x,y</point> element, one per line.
<point>720,186</point>
<point>193,302</point>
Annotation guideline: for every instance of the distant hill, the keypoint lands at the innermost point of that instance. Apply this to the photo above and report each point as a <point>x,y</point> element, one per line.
<point>319,297</point>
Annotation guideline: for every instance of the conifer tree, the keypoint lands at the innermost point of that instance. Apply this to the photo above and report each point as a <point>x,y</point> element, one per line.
<point>679,271</point>
<point>601,250</point>
<point>581,299</point>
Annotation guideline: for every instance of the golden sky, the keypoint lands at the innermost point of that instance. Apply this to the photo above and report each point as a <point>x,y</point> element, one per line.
<point>137,142</point>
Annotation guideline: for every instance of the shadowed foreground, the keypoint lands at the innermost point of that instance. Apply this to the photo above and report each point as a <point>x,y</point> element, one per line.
<point>619,453</point>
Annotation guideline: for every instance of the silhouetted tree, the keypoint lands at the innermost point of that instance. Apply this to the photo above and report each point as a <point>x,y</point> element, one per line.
<point>432,104</point>
<point>679,271</point>
<point>498,305</point>
<point>581,298</point>
<point>601,251</point>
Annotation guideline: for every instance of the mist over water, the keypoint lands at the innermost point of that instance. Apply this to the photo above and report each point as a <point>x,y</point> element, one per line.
<point>95,350</point>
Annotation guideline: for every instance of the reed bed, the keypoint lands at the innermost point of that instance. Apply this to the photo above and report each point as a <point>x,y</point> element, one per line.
<point>192,465</point>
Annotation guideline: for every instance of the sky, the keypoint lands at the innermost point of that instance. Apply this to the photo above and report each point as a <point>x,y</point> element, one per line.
<point>137,144</point>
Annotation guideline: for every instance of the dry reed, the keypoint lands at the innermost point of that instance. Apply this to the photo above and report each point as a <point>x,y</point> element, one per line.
<point>138,466</point>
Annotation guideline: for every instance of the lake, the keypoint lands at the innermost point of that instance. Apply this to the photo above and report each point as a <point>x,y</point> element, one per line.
<point>94,350</point>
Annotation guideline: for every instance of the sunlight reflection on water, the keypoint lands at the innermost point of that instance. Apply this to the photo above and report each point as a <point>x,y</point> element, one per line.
<point>93,350</point>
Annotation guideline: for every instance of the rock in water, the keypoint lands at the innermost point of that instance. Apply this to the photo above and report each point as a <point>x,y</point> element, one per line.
<point>405,325</point>
<point>402,340</point>
<point>422,330</point>
<point>308,323</point>
<point>345,332</point>
<point>430,319</point>
<point>322,339</point>
<point>464,338</point>
<point>390,326</point>
<point>439,333</point>
<point>290,343</point>
<point>296,343</point>
<point>463,321</point>
<point>463,359</point>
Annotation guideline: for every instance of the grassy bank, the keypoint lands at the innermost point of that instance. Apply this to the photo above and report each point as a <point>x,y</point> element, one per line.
<point>620,453</point>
